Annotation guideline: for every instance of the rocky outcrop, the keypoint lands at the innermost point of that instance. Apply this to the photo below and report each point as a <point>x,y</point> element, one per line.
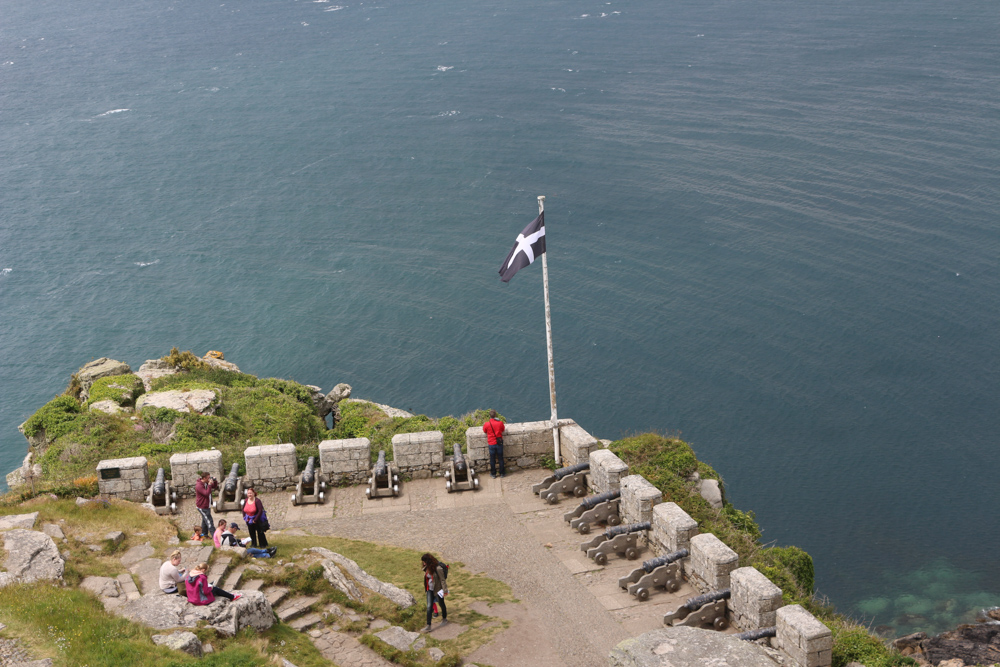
<point>107,406</point>
<point>973,644</point>
<point>202,401</point>
<point>31,556</point>
<point>153,369</point>
<point>97,369</point>
<point>187,642</point>
<point>335,566</point>
<point>163,612</point>
<point>710,491</point>
<point>27,471</point>
<point>688,647</point>
<point>12,521</point>
<point>327,404</point>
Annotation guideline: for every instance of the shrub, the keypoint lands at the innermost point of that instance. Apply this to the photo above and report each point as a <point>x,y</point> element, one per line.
<point>122,389</point>
<point>55,417</point>
<point>204,378</point>
<point>187,360</point>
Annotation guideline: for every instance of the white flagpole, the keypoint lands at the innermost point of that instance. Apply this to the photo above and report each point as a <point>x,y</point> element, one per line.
<point>548,343</point>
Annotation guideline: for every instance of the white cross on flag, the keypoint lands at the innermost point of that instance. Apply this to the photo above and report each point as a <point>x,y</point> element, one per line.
<point>529,245</point>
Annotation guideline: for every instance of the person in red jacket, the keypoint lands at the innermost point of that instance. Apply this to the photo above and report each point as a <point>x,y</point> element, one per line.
<point>493,428</point>
<point>203,500</point>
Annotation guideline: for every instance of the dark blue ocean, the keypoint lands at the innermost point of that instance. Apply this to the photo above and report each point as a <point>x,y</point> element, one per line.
<point>772,228</point>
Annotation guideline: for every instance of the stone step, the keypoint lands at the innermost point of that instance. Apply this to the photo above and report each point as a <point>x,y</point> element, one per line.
<point>234,578</point>
<point>128,587</point>
<point>252,585</point>
<point>303,623</point>
<point>275,594</point>
<point>295,607</point>
<point>218,570</point>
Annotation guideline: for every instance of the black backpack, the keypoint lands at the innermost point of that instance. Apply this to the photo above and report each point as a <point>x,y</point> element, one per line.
<point>444,569</point>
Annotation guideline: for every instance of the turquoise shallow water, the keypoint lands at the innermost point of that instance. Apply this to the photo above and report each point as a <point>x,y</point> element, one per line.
<point>772,228</point>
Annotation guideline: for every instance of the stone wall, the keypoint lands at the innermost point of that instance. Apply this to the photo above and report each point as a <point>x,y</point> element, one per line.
<point>271,467</point>
<point>184,470</point>
<point>672,530</point>
<point>524,445</point>
<point>803,638</point>
<point>638,499</point>
<point>711,563</point>
<point>754,600</point>
<point>606,471</point>
<point>348,460</point>
<point>418,454</point>
<point>575,444</point>
<point>129,483</point>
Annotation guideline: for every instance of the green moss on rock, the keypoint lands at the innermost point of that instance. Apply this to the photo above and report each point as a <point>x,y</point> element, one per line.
<point>122,389</point>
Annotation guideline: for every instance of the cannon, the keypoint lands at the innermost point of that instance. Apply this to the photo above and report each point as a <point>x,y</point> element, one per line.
<point>384,480</point>
<point>572,480</point>
<point>161,496</point>
<point>708,609</point>
<point>309,488</point>
<point>231,493</point>
<point>664,571</point>
<point>461,475</point>
<point>623,540</point>
<point>754,635</point>
<point>601,508</point>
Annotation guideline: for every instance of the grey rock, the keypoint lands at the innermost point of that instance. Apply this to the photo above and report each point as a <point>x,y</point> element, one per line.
<point>397,595</point>
<point>187,642</point>
<point>335,576</point>
<point>107,406</point>
<point>28,471</point>
<point>710,491</point>
<point>162,612</point>
<point>976,644</point>
<point>397,637</point>
<point>285,663</point>
<point>201,401</point>
<point>82,501</point>
<point>435,653</point>
<point>97,369</point>
<point>207,648</point>
<point>339,393</point>
<point>136,554</point>
<point>115,537</point>
<point>105,587</point>
<point>687,647</point>
<point>379,624</point>
<point>148,572</point>
<point>11,521</point>
<point>31,556</point>
<point>153,369</point>
<point>53,531</point>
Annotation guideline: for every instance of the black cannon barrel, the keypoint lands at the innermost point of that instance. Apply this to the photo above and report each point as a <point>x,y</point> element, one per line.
<point>666,559</point>
<point>630,528</point>
<point>233,479</point>
<point>458,458</point>
<point>160,485</point>
<point>380,464</point>
<point>696,603</point>
<point>594,501</point>
<point>309,474</point>
<point>754,635</point>
<point>569,470</point>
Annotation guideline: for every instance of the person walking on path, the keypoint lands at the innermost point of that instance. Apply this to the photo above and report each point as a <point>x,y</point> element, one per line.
<point>203,500</point>
<point>493,428</point>
<point>253,514</point>
<point>171,575</point>
<point>436,585</point>
<point>200,592</point>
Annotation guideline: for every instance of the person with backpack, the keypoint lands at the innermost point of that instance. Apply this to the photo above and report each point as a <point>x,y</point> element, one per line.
<point>229,539</point>
<point>436,585</point>
<point>493,428</point>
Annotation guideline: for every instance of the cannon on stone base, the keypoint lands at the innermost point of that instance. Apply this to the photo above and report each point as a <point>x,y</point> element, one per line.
<point>663,572</point>
<point>601,508</point>
<point>708,609</point>
<point>384,480</point>
<point>622,540</point>
<point>161,496</point>
<point>461,475</point>
<point>231,492</point>
<point>571,480</point>
<point>309,488</point>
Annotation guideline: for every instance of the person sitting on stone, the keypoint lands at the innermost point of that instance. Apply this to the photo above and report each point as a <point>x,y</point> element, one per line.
<point>171,575</point>
<point>197,535</point>
<point>200,592</point>
<point>219,530</point>
<point>229,539</point>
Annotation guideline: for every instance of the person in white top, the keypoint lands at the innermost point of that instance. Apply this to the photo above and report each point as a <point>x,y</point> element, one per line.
<point>171,575</point>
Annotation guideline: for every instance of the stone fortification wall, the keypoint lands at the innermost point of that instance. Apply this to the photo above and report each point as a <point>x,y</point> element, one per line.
<point>420,455</point>
<point>638,499</point>
<point>126,479</point>
<point>271,467</point>
<point>606,471</point>
<point>184,470</point>
<point>575,444</point>
<point>348,460</point>
<point>711,563</point>
<point>672,530</point>
<point>803,637</point>
<point>755,599</point>
<point>524,445</point>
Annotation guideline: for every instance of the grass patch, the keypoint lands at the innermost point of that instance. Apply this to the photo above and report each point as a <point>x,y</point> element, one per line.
<point>122,389</point>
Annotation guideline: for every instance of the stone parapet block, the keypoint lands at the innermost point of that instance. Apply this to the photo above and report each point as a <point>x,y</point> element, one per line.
<point>638,499</point>
<point>271,467</point>
<point>803,637</point>
<point>184,469</point>
<point>672,530</point>
<point>606,471</point>
<point>131,482</point>
<point>754,600</point>
<point>348,459</point>
<point>424,450</point>
<point>575,444</point>
<point>711,563</point>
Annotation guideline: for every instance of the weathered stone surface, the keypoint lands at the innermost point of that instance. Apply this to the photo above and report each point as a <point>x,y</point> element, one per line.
<point>398,638</point>
<point>116,537</point>
<point>221,364</point>
<point>107,405</point>
<point>711,563</point>
<point>162,612</point>
<point>31,556</point>
<point>97,369</point>
<point>187,642</point>
<point>606,471</point>
<point>710,491</point>
<point>201,401</point>
<point>53,531</point>
<point>27,471</point>
<point>575,443</point>
<point>435,653</point>
<point>673,528</point>
<point>105,587</point>
<point>11,521</point>
<point>803,638</point>
<point>153,369</point>
<point>977,644</point>
<point>137,553</point>
<point>394,593</point>
<point>687,647</point>
<point>754,599</point>
<point>348,459</point>
<point>339,393</point>
<point>639,497</point>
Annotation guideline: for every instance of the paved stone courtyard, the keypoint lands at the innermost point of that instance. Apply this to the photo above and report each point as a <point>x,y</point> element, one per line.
<point>570,610</point>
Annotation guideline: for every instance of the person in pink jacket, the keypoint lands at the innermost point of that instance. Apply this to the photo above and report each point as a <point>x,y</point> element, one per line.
<point>200,592</point>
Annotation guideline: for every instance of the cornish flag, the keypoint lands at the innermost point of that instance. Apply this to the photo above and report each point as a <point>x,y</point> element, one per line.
<point>529,245</point>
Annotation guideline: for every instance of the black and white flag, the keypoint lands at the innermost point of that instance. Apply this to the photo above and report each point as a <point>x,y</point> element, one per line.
<point>529,245</point>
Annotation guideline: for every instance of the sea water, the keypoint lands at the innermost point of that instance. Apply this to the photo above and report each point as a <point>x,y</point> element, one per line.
<point>772,229</point>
